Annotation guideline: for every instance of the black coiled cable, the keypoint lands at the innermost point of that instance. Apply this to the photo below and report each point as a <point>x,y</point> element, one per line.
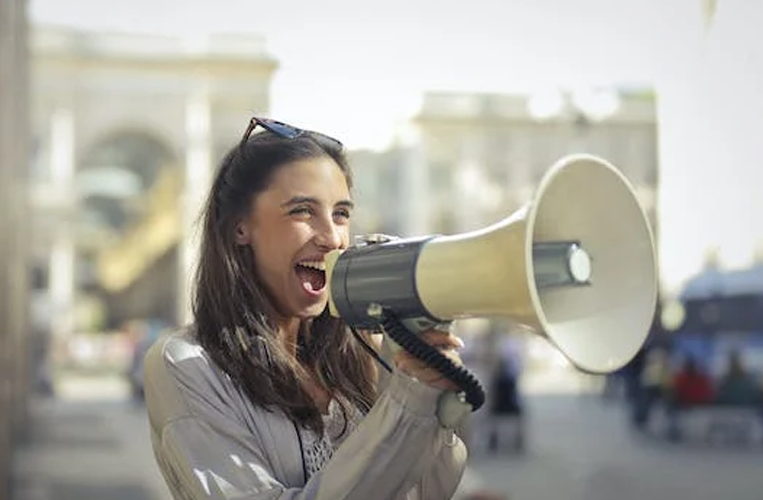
<point>411,342</point>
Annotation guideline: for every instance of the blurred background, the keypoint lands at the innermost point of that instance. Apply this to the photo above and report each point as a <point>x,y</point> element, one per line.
<point>113,116</point>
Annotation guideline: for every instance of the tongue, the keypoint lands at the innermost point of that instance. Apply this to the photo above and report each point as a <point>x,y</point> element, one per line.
<point>312,279</point>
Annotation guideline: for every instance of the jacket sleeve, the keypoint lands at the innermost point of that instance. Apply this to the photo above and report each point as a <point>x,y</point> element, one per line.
<point>443,479</point>
<point>209,452</point>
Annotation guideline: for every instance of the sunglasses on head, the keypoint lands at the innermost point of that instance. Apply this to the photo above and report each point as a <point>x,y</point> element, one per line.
<point>286,131</point>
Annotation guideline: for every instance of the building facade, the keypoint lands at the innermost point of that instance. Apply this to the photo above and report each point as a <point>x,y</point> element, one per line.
<point>486,154</point>
<point>473,159</point>
<point>127,130</point>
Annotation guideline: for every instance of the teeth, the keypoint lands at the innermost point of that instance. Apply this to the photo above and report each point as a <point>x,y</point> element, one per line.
<point>315,264</point>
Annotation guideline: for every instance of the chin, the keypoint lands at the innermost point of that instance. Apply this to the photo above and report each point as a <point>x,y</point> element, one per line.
<point>313,310</point>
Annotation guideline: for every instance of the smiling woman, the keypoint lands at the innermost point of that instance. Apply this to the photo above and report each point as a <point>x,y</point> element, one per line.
<point>266,395</point>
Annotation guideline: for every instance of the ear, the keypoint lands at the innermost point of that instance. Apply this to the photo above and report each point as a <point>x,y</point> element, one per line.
<point>242,234</point>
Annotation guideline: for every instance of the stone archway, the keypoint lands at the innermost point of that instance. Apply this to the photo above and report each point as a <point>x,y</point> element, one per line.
<point>115,174</point>
<point>114,182</point>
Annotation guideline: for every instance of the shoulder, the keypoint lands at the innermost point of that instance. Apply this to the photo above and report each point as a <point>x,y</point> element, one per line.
<point>181,342</point>
<point>176,350</point>
<point>180,376</point>
<point>183,381</point>
<point>178,355</point>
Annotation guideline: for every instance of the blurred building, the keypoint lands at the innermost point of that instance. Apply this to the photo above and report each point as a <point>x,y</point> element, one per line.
<point>472,159</point>
<point>14,155</point>
<point>127,130</point>
<point>379,185</point>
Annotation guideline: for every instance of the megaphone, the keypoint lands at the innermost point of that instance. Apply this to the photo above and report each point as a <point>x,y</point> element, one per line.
<point>576,264</point>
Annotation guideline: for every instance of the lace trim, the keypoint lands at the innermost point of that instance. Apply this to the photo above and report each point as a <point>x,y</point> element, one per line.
<point>337,426</point>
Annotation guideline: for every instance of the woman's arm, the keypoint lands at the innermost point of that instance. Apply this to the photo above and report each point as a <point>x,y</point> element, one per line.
<point>443,479</point>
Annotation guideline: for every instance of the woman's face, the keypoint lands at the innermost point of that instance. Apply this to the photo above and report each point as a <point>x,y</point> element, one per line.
<point>291,226</point>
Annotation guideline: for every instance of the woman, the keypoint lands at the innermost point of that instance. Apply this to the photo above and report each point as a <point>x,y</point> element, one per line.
<point>255,398</point>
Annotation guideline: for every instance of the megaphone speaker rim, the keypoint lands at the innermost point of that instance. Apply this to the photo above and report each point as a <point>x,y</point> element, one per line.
<point>551,177</point>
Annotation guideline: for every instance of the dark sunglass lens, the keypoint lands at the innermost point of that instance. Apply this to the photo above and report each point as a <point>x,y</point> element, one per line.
<point>326,139</point>
<point>281,129</point>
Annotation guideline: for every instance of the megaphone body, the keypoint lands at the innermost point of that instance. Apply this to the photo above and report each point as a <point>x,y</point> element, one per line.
<point>576,264</point>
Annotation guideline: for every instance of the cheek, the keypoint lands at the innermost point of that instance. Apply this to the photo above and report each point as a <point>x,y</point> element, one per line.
<point>345,237</point>
<point>271,259</point>
<point>274,252</point>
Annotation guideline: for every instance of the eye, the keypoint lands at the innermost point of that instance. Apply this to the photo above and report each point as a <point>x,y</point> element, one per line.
<point>301,211</point>
<point>342,213</point>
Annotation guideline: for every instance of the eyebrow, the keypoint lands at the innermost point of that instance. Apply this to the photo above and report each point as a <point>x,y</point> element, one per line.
<point>296,200</point>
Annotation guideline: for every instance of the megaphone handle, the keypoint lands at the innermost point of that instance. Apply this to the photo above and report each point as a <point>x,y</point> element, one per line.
<point>413,325</point>
<point>410,341</point>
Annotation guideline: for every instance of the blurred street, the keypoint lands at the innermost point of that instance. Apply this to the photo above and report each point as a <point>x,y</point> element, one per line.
<point>92,443</point>
<point>580,448</point>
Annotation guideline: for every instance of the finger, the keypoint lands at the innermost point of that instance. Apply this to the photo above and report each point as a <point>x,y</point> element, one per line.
<point>411,364</point>
<point>442,340</point>
<point>408,363</point>
<point>411,360</point>
<point>416,370</point>
<point>419,369</point>
<point>427,375</point>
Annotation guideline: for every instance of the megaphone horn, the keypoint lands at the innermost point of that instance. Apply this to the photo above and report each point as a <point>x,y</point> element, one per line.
<point>576,264</point>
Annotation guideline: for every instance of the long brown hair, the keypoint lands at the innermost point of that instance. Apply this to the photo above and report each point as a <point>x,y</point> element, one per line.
<point>232,309</point>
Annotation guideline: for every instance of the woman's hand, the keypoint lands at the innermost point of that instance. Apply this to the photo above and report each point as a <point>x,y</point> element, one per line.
<point>443,340</point>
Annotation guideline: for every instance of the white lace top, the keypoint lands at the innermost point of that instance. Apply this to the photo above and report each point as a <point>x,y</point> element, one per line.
<point>317,450</point>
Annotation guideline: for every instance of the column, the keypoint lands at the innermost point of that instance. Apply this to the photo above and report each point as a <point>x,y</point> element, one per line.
<point>20,258</point>
<point>415,203</point>
<point>198,179</point>
<point>520,163</point>
<point>469,183</point>
<point>13,189</point>
<point>7,350</point>
<point>62,255</point>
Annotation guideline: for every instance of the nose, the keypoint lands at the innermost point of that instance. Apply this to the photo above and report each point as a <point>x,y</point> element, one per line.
<point>329,236</point>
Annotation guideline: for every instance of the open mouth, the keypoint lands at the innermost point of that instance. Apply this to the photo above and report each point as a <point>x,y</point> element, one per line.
<point>312,274</point>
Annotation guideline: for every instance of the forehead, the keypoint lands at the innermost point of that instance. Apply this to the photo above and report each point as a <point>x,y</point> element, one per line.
<point>319,177</point>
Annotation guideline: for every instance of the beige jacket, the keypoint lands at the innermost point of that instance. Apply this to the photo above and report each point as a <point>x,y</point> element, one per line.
<point>212,443</point>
